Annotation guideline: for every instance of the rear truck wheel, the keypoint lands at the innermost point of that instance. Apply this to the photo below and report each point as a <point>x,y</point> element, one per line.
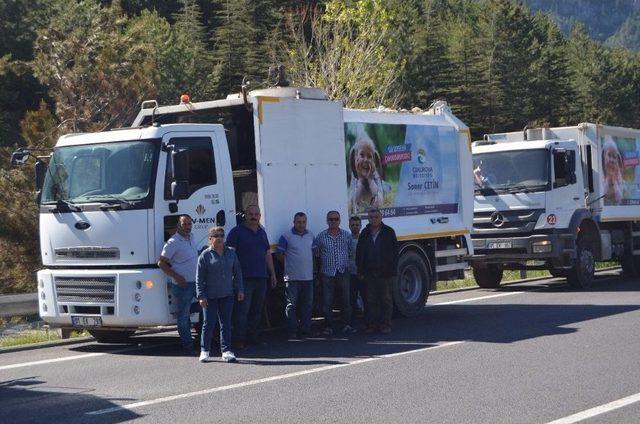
<point>581,275</point>
<point>488,277</point>
<point>411,287</point>
<point>112,336</point>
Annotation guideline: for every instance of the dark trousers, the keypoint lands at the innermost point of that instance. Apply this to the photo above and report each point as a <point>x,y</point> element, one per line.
<point>218,310</point>
<point>379,303</point>
<point>358,287</point>
<point>338,282</point>
<point>247,314</point>
<point>300,300</point>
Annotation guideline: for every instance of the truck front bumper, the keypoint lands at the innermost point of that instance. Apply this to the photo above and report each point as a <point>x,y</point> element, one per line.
<point>120,298</point>
<point>557,247</point>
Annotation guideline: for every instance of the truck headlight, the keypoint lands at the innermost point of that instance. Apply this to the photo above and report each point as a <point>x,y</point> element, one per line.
<point>543,246</point>
<point>138,297</point>
<point>136,309</point>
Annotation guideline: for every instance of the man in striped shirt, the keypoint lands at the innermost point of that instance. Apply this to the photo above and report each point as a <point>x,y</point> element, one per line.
<point>333,247</point>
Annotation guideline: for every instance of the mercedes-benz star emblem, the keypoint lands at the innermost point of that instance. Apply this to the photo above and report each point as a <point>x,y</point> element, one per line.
<point>497,219</point>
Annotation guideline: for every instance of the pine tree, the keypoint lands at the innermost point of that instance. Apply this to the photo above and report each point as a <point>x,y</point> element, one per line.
<point>236,54</point>
<point>185,60</point>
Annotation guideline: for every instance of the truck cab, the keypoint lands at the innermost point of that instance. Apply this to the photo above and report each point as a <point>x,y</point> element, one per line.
<point>530,197</point>
<point>107,206</point>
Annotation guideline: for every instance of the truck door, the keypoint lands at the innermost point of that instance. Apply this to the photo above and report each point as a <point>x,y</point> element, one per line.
<point>207,169</point>
<point>567,191</point>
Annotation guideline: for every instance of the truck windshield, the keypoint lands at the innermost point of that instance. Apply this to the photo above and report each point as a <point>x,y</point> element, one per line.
<point>120,173</point>
<point>517,171</point>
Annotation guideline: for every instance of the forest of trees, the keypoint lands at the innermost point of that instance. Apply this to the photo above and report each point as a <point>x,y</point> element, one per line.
<point>86,65</point>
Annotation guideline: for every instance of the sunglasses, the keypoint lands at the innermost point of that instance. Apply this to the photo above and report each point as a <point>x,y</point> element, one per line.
<point>216,236</point>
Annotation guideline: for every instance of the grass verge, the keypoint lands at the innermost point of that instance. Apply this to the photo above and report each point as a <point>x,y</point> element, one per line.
<point>468,281</point>
<point>35,335</point>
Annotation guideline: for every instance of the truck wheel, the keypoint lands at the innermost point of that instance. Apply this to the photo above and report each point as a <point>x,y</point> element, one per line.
<point>411,288</point>
<point>112,336</point>
<point>582,274</point>
<point>489,277</point>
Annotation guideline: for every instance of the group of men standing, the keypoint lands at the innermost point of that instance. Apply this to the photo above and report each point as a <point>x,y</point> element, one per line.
<point>230,279</point>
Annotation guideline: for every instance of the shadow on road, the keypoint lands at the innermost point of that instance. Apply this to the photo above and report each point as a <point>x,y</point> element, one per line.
<point>496,322</point>
<point>31,400</point>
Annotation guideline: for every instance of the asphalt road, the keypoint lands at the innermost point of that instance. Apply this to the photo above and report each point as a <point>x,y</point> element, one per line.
<point>528,353</point>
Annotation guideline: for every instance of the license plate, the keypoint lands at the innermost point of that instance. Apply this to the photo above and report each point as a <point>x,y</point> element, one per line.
<point>86,321</point>
<point>499,245</point>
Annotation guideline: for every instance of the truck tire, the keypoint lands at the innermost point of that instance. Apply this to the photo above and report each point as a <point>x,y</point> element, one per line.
<point>411,287</point>
<point>489,277</point>
<point>581,275</point>
<point>112,336</point>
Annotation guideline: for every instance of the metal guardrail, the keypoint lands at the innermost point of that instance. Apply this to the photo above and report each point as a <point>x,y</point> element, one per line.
<point>18,304</point>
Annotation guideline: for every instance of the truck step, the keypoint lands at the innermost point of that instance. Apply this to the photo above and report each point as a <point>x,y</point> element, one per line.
<point>451,267</point>
<point>451,252</point>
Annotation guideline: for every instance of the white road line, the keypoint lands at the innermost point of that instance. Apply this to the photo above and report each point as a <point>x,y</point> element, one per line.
<point>135,405</point>
<point>476,298</point>
<point>598,410</point>
<point>75,357</point>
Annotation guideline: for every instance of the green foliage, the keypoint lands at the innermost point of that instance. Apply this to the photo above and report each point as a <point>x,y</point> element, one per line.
<point>184,59</point>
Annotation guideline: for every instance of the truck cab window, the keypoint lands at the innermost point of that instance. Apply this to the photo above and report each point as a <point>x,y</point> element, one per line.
<point>202,171</point>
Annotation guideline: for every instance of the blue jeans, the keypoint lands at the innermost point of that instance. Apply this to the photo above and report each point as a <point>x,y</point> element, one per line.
<point>247,314</point>
<point>219,309</point>
<point>300,299</point>
<point>341,282</point>
<point>183,297</point>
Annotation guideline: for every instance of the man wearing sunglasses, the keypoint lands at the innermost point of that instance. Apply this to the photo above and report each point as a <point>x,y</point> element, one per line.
<point>333,247</point>
<point>218,282</point>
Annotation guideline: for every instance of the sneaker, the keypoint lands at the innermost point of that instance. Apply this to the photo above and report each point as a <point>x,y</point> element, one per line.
<point>385,329</point>
<point>204,356</point>
<point>228,356</point>
<point>347,329</point>
<point>327,331</point>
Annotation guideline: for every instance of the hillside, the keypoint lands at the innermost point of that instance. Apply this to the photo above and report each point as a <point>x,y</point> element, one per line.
<point>614,22</point>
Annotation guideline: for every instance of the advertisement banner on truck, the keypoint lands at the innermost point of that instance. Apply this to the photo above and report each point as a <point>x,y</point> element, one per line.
<point>621,170</point>
<point>402,169</point>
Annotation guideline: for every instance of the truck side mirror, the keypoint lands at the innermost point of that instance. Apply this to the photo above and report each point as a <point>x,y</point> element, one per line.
<point>571,163</point>
<point>180,166</point>
<point>40,169</point>
<point>180,190</point>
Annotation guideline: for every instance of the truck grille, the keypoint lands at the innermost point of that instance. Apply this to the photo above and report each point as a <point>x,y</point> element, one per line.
<point>514,221</point>
<point>86,289</point>
<point>87,252</point>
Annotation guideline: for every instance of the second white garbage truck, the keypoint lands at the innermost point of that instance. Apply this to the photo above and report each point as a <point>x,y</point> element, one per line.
<point>557,199</point>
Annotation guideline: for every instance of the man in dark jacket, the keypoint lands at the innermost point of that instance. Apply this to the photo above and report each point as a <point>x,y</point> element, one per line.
<point>377,261</point>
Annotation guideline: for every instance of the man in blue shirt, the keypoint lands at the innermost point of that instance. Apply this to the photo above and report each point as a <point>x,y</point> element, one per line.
<point>249,240</point>
<point>295,249</point>
<point>218,278</point>
<point>333,247</point>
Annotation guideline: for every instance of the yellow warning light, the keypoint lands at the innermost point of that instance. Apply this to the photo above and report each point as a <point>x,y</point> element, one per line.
<point>148,284</point>
<point>185,98</point>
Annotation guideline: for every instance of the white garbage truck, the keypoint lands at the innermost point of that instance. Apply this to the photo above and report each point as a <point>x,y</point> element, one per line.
<point>558,199</point>
<point>109,200</point>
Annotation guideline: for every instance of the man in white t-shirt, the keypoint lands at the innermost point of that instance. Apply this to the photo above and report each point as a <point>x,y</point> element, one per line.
<point>179,260</point>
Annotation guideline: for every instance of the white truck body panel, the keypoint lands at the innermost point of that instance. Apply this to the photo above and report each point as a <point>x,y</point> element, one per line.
<point>624,142</point>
